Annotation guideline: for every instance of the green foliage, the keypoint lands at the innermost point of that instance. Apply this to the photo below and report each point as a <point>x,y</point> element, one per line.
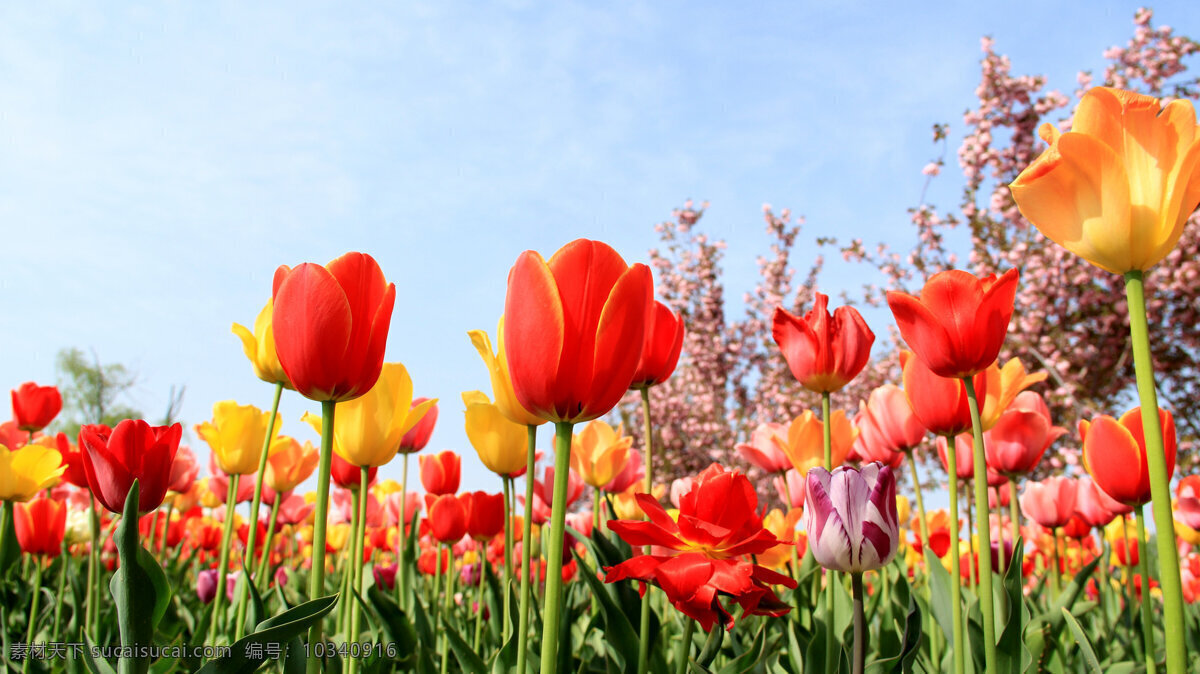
<point>91,391</point>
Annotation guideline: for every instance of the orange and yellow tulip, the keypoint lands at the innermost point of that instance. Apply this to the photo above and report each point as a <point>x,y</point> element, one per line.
<point>599,452</point>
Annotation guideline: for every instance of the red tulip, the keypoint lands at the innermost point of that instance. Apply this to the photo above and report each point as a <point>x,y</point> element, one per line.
<point>709,550</point>
<point>347,475</point>
<point>1051,502</point>
<point>331,325</point>
<point>1114,454</point>
<point>660,350</point>
<point>134,450</point>
<point>34,407</point>
<point>441,473</point>
<point>574,329</point>
<point>485,514</point>
<point>958,324</point>
<point>1024,432</point>
<point>824,352</point>
<point>940,404</point>
<point>447,517</point>
<point>428,562</point>
<point>418,436</point>
<point>72,458</point>
<point>40,526</point>
<point>1076,527</point>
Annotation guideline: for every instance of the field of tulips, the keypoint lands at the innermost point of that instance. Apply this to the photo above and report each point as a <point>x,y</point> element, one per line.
<point>120,553</point>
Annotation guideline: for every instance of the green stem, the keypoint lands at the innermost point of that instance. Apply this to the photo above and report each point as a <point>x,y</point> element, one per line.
<point>255,504</point>
<point>446,617</point>
<point>554,552</point>
<point>960,662</point>
<point>62,580</point>
<point>1105,583</point>
<point>89,615</point>
<point>1056,566</point>
<point>223,559</point>
<point>162,550</point>
<point>526,542</point>
<point>684,647</point>
<point>402,540</point>
<point>984,531</point>
<point>1000,560</point>
<point>33,611</point>
<point>972,560</point>
<point>1160,481</point>
<point>479,603</point>
<point>508,547</point>
<point>356,567</point>
<point>643,661</point>
<point>316,579</point>
<point>860,625</point>
<point>346,567</point>
<point>264,562</point>
<point>1147,620</point>
<point>153,530</point>
<point>1131,594</point>
<point>924,527</point>
<point>1014,515</point>
<point>827,439</point>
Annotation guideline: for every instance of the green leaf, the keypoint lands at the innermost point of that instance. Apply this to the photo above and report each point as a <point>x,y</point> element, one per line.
<point>620,637</point>
<point>139,585</point>
<point>940,594</point>
<point>1010,598</point>
<point>712,645</point>
<point>1085,646</point>
<point>257,611</point>
<point>93,665</point>
<point>470,662</point>
<point>249,653</point>
<point>10,552</point>
<point>746,662</point>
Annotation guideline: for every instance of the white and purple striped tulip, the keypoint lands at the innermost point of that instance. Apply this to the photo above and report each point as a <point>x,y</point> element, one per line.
<point>850,516</point>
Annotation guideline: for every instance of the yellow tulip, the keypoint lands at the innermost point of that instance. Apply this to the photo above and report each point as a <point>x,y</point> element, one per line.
<point>501,443</point>
<point>784,528</point>
<point>259,347</point>
<point>599,453</point>
<point>626,505</point>
<point>383,488</point>
<point>289,463</point>
<point>26,471</point>
<point>1118,187</point>
<point>903,510</point>
<point>1003,385</point>
<point>805,446</point>
<point>497,365</point>
<point>369,428</point>
<point>338,535</point>
<point>207,498</point>
<point>236,436</point>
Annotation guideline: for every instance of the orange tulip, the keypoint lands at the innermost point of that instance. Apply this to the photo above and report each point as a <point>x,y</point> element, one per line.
<point>1118,187</point>
<point>599,453</point>
<point>939,403</point>
<point>40,526</point>
<point>805,446</point>
<point>290,463</point>
<point>574,328</point>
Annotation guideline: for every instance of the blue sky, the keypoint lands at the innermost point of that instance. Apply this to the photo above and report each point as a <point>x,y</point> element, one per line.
<point>159,161</point>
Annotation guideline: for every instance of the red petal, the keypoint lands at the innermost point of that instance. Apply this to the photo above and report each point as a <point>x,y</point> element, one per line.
<point>312,323</point>
<point>533,334</point>
<point>620,336</point>
<point>923,333</point>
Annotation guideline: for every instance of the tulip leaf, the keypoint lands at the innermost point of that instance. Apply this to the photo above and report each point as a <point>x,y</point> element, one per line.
<point>1010,600</point>
<point>747,661</point>
<point>620,636</point>
<point>470,662</point>
<point>794,650</point>
<point>257,612</point>
<point>396,627</point>
<point>712,645</point>
<point>249,653</point>
<point>139,586</point>
<point>940,594</point>
<point>10,551</point>
<point>1085,646</point>
<point>93,665</point>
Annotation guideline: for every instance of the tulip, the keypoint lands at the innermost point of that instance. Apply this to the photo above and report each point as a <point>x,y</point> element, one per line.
<point>850,516</point>
<point>1004,385</point>
<point>569,324</point>
<point>502,388</point>
<point>259,347</point>
<point>1095,507</point>
<point>34,407</point>
<point>784,529</point>
<point>804,440</point>
<point>331,325</point>
<point>705,551</point>
<point>206,585</point>
<point>290,463</point>
<point>765,449</point>
<point>629,476</point>
<point>385,576</point>
<point>1188,508</point>
<point>940,404</point>
<point>886,420</point>
<point>184,470</point>
<point>418,436</point>
<point>824,352</point>
<point>958,324</point>
<point>134,450</point>
<point>1117,188</point>
<point>447,515</point>
<point>599,452</point>
<point>485,514</point>
<point>40,526</point>
<point>499,442</point>
<point>1051,502</point>
<point>660,348</point>
<point>1112,448</point>
<point>236,435</point>
<point>1015,445</point>
<point>71,456</point>
<point>347,475</point>
<point>440,473</point>
<point>790,487</point>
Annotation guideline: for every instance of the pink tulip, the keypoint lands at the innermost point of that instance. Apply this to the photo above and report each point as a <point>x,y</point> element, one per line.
<point>1051,502</point>
<point>795,487</point>
<point>765,448</point>
<point>886,421</point>
<point>1024,432</point>
<point>965,458</point>
<point>633,473</point>
<point>1188,493</point>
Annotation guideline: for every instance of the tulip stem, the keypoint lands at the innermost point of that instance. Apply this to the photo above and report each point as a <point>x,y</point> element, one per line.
<point>972,560</point>
<point>483,565</point>
<point>358,549</point>
<point>62,580</point>
<point>1143,568</point>
<point>1127,575</point>
<point>860,624</point>
<point>316,579</point>
<point>264,562</point>
<point>1055,566</point>
<point>402,540</point>
<point>827,439</point>
<point>924,528</point>
<point>153,530</point>
<point>162,548</point>
<point>508,546</point>
<point>33,611</point>
<point>683,649</point>
<point>1160,479</point>
<point>984,531</point>
<point>1001,562</point>
<point>554,552</point>
<point>256,502</point>
<point>643,662</point>
<point>1014,514</point>
<point>223,560</point>
<point>93,580</point>
<point>526,543</point>
<point>960,661</point>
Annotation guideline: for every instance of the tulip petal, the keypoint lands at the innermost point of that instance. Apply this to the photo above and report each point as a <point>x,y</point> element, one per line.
<point>534,323</point>
<point>922,332</point>
<point>620,336</point>
<point>312,323</point>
